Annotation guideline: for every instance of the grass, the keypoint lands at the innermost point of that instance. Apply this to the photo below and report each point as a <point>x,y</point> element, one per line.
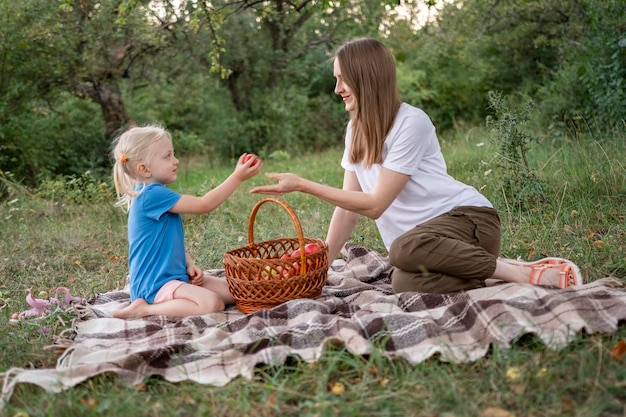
<point>77,239</point>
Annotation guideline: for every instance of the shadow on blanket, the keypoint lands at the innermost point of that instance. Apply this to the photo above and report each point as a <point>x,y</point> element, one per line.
<point>357,309</point>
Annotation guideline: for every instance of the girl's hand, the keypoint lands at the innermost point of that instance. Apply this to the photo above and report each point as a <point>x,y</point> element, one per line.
<point>248,166</point>
<point>196,274</point>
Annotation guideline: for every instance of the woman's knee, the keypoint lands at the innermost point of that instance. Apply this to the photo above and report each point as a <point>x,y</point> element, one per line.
<point>403,281</point>
<point>400,283</point>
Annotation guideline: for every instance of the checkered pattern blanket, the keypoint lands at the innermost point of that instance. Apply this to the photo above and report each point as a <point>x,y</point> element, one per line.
<point>357,309</point>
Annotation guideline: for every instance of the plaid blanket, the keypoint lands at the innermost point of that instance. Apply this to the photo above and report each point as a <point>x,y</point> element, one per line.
<point>357,309</point>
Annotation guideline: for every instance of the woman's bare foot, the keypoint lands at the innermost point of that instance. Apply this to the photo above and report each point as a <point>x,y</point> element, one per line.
<point>549,272</point>
<point>136,309</point>
<point>542,275</point>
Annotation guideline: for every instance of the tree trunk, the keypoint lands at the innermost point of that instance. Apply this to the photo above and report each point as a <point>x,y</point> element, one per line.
<point>108,95</point>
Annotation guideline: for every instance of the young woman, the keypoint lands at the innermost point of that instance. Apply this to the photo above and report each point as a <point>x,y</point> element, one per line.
<point>163,277</point>
<point>442,235</point>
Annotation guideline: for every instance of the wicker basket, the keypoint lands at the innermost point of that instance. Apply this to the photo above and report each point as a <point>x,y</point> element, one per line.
<point>259,278</point>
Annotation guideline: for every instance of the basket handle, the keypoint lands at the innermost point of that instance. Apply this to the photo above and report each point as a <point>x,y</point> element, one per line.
<point>294,218</point>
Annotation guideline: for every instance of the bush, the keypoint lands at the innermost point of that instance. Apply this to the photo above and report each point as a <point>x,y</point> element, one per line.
<point>48,139</point>
<point>81,189</point>
<point>589,89</point>
<point>520,181</point>
<point>288,120</point>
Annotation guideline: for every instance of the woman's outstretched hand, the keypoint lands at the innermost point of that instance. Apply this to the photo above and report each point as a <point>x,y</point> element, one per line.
<point>287,183</point>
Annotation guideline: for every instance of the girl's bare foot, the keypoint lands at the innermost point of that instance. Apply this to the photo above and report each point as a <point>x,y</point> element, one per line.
<point>135,310</point>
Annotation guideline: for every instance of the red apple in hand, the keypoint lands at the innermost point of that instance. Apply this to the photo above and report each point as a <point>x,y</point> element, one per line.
<point>249,157</point>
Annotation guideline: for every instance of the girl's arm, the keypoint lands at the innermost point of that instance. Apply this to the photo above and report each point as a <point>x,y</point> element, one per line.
<point>372,204</point>
<point>188,204</point>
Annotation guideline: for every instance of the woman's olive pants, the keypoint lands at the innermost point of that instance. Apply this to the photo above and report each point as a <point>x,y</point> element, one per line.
<point>455,251</point>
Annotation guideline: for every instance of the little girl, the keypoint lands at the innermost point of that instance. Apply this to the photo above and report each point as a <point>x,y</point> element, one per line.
<point>164,280</point>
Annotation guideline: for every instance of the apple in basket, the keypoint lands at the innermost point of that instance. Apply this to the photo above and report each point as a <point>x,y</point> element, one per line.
<point>308,249</point>
<point>312,248</point>
<point>282,271</point>
<point>274,273</point>
<point>268,273</point>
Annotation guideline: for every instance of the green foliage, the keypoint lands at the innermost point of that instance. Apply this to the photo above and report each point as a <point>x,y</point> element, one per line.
<point>589,88</point>
<point>288,120</point>
<point>81,189</point>
<point>10,188</point>
<point>520,182</point>
<point>46,140</point>
<point>568,55</point>
<point>193,107</point>
<point>247,77</point>
<point>522,40</point>
<point>446,68</point>
<point>412,84</point>
<point>60,61</point>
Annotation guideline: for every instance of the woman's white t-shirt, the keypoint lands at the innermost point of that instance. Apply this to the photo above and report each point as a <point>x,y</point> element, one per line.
<point>412,148</point>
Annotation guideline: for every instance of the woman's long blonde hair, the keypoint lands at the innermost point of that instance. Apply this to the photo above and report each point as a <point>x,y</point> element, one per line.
<point>368,68</point>
<point>131,148</point>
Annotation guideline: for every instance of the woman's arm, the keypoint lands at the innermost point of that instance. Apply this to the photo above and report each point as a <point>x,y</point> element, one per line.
<point>343,221</point>
<point>371,204</point>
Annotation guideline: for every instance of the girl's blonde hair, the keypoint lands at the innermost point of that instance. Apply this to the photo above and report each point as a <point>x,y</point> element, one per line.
<point>368,68</point>
<point>131,148</point>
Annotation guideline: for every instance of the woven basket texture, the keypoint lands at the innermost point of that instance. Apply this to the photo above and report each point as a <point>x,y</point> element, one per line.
<point>258,278</point>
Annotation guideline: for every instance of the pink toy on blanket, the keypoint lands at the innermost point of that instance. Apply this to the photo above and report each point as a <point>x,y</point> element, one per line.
<point>41,307</point>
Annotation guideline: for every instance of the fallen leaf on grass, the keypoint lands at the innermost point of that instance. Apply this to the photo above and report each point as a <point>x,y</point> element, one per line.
<point>518,388</point>
<point>90,403</point>
<point>496,412</point>
<point>618,351</point>
<point>189,399</point>
<point>513,374</point>
<point>338,388</point>
<point>383,382</point>
<point>568,407</point>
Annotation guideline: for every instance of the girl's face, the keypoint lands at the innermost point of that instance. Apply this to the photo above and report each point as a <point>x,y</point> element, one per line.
<point>163,165</point>
<point>342,89</point>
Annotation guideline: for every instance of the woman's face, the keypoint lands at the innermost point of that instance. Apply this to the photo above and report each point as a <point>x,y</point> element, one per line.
<point>342,89</point>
